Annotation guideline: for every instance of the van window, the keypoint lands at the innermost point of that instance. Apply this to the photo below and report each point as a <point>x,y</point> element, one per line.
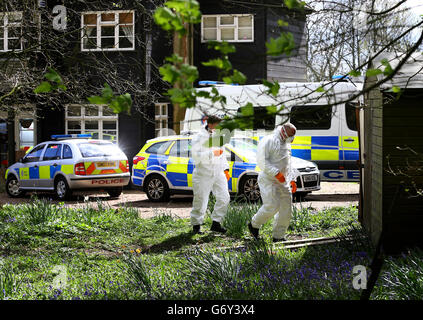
<point>311,117</point>
<point>351,116</point>
<point>159,147</point>
<point>261,119</point>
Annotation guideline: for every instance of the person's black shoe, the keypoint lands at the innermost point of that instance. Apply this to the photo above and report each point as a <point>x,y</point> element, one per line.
<point>254,231</point>
<point>217,227</point>
<point>279,240</point>
<point>196,229</point>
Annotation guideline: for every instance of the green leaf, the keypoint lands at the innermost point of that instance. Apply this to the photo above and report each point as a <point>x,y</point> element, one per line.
<point>247,110</point>
<point>238,77</point>
<point>53,76</point>
<point>274,87</point>
<point>373,72</point>
<point>218,63</point>
<point>282,23</point>
<point>223,47</point>
<point>320,89</point>
<point>97,100</point>
<point>272,109</point>
<point>44,87</point>
<point>282,45</point>
<point>388,69</point>
<point>107,92</point>
<point>355,73</point>
<point>396,89</point>
<point>294,4</point>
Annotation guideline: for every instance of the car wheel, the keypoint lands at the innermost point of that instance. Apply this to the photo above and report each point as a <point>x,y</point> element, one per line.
<point>115,192</point>
<point>12,187</point>
<point>157,189</point>
<point>249,189</point>
<point>61,188</point>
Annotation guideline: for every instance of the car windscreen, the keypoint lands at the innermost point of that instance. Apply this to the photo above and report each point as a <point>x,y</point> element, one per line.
<point>99,149</point>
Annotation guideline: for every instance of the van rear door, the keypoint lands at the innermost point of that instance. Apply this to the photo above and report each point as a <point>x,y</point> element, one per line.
<point>349,140</point>
<point>317,138</point>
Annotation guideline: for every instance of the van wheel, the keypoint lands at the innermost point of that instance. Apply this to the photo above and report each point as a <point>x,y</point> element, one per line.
<point>13,187</point>
<point>115,192</point>
<point>157,189</point>
<point>249,189</point>
<point>61,189</point>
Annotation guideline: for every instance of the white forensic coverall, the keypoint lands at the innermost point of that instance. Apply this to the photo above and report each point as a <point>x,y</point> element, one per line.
<point>273,156</point>
<point>208,176</point>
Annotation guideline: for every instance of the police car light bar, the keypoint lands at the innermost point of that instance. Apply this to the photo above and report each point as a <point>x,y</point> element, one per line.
<point>70,136</point>
<point>214,83</point>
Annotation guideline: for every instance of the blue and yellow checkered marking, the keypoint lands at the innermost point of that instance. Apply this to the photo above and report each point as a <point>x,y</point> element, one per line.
<point>42,172</point>
<point>179,170</point>
<point>321,148</point>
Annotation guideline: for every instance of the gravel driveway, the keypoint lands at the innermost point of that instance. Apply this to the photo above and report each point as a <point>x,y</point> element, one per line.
<point>332,194</point>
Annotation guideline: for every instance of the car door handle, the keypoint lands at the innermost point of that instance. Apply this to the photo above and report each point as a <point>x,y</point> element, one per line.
<point>54,164</point>
<point>349,140</point>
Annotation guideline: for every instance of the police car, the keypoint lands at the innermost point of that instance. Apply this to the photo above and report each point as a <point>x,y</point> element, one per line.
<point>70,163</point>
<point>164,167</point>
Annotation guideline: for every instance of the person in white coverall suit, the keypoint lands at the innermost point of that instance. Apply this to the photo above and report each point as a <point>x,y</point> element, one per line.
<point>211,174</point>
<point>275,180</point>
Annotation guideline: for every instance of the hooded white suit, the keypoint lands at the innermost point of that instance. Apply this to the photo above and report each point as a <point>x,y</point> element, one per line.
<point>273,156</point>
<point>208,176</point>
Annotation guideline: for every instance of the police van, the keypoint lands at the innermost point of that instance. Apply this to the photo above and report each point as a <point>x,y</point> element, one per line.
<point>326,124</point>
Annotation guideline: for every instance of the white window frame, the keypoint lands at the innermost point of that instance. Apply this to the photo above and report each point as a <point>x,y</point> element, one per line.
<point>234,26</point>
<point>114,23</point>
<point>161,130</point>
<point>100,118</point>
<point>4,23</point>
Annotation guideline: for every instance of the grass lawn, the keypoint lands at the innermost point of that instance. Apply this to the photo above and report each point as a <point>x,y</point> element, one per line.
<point>50,251</point>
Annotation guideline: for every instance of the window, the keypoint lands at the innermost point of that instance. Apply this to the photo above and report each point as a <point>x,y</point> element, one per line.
<point>311,117</point>
<point>161,117</point>
<point>99,149</point>
<point>53,152</point>
<point>261,119</point>
<point>35,154</point>
<point>182,148</point>
<point>111,30</point>
<point>159,147</point>
<point>351,116</point>
<point>231,28</point>
<point>100,121</point>
<point>11,31</point>
<point>67,152</point>
<point>26,133</point>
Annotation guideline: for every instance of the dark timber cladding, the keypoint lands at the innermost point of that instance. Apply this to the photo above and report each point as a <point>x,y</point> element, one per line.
<point>393,188</point>
<point>250,57</point>
<point>403,155</point>
<point>125,71</point>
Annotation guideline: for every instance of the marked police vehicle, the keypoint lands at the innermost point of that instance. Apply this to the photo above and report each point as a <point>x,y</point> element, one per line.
<point>67,164</point>
<point>326,125</point>
<point>164,167</point>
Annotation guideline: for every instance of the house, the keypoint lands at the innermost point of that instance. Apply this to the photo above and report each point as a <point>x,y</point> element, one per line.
<point>248,25</point>
<point>392,143</point>
<point>90,43</point>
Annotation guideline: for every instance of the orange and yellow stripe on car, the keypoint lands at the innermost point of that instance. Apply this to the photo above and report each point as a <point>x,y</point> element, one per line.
<point>91,169</point>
